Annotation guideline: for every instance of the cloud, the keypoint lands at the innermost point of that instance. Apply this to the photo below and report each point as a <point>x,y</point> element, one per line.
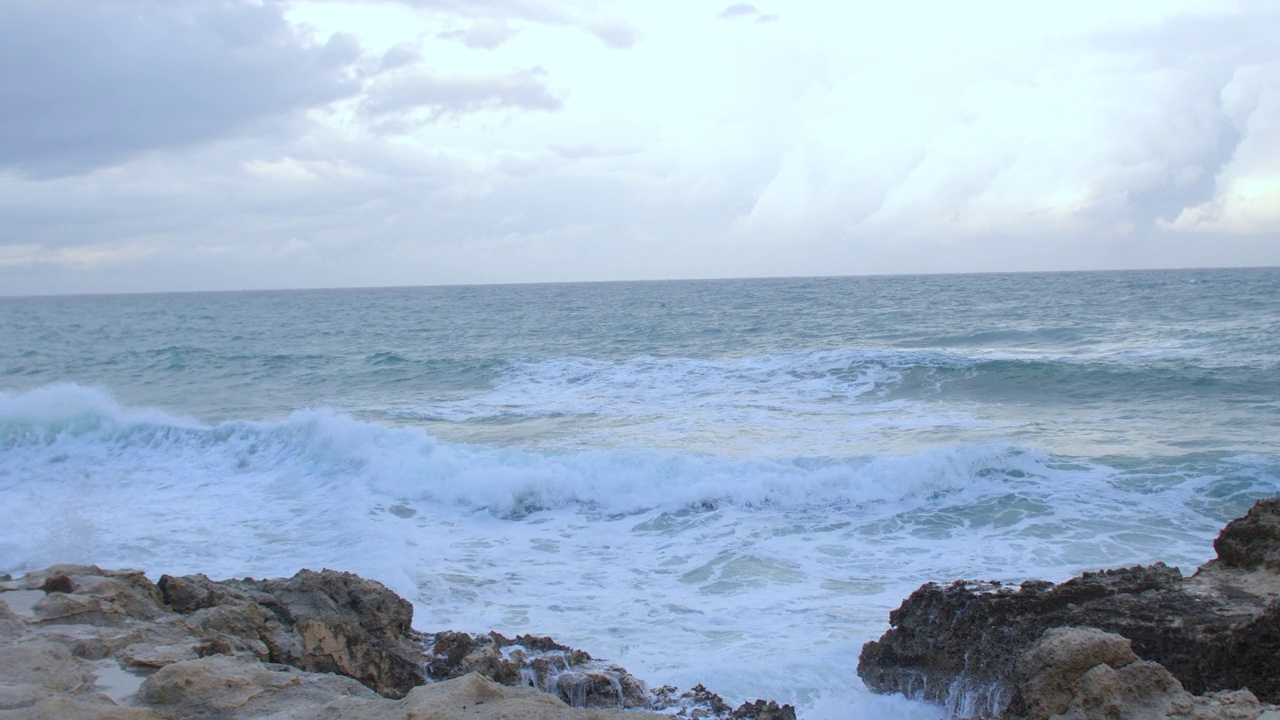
<point>398,103</point>
<point>616,35</point>
<point>398,56</point>
<point>766,19</point>
<point>739,10</point>
<point>491,14</point>
<point>487,34</point>
<point>588,151</point>
<point>88,85</point>
<point>1246,193</point>
<point>1095,135</point>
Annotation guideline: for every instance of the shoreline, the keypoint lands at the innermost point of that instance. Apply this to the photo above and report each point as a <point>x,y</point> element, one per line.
<point>80,641</point>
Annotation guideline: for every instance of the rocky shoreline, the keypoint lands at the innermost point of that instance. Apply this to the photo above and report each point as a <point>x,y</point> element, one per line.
<point>82,642</point>
<point>1140,642</point>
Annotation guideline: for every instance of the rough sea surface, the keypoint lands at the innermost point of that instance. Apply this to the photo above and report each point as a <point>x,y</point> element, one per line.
<point>726,482</point>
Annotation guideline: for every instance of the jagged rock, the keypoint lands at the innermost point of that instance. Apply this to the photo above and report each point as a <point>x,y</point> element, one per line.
<point>1218,630</point>
<point>324,622</point>
<point>764,710</point>
<point>80,642</point>
<point>570,674</point>
<point>1252,541</point>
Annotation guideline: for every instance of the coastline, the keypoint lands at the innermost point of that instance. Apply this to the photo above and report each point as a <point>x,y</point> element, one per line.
<point>80,641</point>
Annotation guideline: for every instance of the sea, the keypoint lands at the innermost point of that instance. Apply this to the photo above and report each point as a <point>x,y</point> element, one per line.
<point>727,482</point>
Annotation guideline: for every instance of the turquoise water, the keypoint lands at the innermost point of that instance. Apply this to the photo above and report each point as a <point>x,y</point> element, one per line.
<point>670,474</point>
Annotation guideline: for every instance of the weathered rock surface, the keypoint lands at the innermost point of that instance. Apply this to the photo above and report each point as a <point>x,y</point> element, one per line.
<point>1218,630</point>
<point>81,642</point>
<point>572,675</point>
<point>1083,673</point>
<point>323,622</point>
<point>576,678</point>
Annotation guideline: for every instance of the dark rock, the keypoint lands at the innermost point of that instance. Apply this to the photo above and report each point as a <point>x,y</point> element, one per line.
<point>702,695</point>
<point>1252,541</point>
<point>58,583</point>
<point>1219,630</point>
<point>764,710</point>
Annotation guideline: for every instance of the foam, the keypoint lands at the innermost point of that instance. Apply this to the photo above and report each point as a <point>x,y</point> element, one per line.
<point>756,576</point>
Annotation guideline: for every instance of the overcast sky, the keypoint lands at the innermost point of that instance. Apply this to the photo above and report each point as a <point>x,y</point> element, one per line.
<point>225,144</point>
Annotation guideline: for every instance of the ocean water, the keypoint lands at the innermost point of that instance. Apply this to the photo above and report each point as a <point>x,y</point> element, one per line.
<point>726,482</point>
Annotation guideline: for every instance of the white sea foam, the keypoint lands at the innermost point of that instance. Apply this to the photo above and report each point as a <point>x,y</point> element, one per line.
<point>756,576</point>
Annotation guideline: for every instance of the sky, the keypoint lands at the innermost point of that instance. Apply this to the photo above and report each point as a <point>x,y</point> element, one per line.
<point>160,145</point>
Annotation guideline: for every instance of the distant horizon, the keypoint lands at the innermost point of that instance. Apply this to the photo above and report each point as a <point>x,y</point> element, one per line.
<point>635,281</point>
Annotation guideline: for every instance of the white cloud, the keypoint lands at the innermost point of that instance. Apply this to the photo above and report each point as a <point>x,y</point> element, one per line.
<point>1246,197</point>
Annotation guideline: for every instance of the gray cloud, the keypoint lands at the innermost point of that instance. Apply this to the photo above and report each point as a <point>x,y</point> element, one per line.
<point>90,84</point>
<point>398,56</point>
<point>610,31</point>
<point>738,10</point>
<point>399,103</point>
<point>588,151</point>
<point>616,35</point>
<point>482,35</point>
<point>770,18</point>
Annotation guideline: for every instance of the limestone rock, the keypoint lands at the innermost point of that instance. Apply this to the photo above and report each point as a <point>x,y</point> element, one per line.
<point>77,641</point>
<point>222,685</point>
<point>474,697</point>
<point>1085,673</point>
<point>325,622</point>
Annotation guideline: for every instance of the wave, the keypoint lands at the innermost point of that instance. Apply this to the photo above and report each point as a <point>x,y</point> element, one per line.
<point>85,427</point>
<point>819,380</point>
<point>48,430</point>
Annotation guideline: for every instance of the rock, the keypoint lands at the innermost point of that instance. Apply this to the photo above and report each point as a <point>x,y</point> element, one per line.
<point>65,708</point>
<point>324,622</point>
<point>88,594</point>
<point>77,641</point>
<point>1083,673</point>
<point>572,675</point>
<point>45,665</point>
<point>764,710</point>
<point>1218,630</point>
<point>475,697</point>
<point>220,684</point>
<point>1252,541</point>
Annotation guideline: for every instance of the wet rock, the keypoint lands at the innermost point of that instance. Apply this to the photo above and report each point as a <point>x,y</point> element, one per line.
<point>700,703</point>
<point>540,662</point>
<point>1218,630</point>
<point>764,710</point>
